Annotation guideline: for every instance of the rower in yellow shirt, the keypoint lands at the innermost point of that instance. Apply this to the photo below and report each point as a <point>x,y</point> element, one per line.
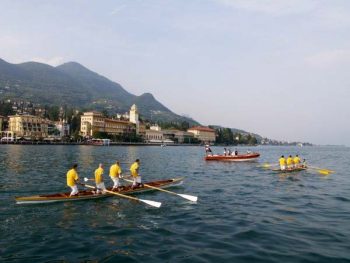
<point>290,163</point>
<point>72,179</point>
<point>134,169</point>
<point>296,161</point>
<point>115,172</point>
<point>282,162</point>
<point>100,185</point>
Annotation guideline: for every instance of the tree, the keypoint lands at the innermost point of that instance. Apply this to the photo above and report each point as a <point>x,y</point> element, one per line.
<point>6,109</point>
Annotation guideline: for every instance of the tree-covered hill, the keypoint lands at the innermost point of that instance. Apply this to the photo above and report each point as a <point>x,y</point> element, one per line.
<point>73,85</point>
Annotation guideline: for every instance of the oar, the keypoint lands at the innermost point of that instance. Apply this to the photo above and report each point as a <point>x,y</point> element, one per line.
<point>268,165</point>
<point>321,170</point>
<point>149,202</point>
<point>188,197</point>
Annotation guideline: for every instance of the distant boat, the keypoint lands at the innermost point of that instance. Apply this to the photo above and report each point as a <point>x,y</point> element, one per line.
<point>100,142</point>
<point>300,144</point>
<point>233,158</point>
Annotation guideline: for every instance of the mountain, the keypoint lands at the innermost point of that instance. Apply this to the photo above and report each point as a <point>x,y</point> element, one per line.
<point>74,85</point>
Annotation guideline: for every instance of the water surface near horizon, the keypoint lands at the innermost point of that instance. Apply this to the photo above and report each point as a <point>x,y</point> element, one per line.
<point>244,213</point>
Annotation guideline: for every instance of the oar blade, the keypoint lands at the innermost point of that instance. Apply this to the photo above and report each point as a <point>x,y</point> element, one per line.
<point>189,197</point>
<point>325,172</point>
<point>151,203</point>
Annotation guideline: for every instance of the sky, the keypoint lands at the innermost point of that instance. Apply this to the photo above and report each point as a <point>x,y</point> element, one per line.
<point>273,67</point>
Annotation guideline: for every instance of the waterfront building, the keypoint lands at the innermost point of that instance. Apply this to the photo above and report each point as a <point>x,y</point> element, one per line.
<point>154,136</point>
<point>63,127</point>
<point>184,137</point>
<point>204,134</point>
<point>92,122</point>
<point>28,126</point>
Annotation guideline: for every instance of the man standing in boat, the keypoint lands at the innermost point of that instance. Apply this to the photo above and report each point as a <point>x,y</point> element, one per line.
<point>115,172</point>
<point>282,162</point>
<point>72,179</point>
<point>134,169</point>
<point>100,185</point>
<point>208,150</point>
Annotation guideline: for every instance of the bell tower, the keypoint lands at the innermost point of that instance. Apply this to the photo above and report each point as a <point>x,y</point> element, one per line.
<point>134,117</point>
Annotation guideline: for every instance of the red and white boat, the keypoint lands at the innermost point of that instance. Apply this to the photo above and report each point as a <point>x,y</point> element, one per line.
<point>233,158</point>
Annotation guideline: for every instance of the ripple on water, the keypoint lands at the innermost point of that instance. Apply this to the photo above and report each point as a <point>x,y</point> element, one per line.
<point>244,213</point>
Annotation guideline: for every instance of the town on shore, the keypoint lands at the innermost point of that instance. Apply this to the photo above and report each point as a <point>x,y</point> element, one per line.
<point>27,124</point>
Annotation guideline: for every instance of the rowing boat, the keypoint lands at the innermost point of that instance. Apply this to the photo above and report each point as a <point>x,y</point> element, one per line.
<point>290,170</point>
<point>233,158</point>
<point>88,194</point>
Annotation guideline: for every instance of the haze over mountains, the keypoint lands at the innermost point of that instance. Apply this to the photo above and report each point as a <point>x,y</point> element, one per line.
<point>74,85</point>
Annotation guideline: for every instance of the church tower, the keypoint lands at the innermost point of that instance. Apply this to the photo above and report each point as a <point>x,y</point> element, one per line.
<point>134,117</point>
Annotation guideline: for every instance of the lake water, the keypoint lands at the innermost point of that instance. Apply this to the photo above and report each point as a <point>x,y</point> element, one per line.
<point>244,213</point>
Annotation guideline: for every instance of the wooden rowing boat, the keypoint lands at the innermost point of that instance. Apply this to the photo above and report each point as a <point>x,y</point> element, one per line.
<point>290,170</point>
<point>233,158</point>
<point>88,194</point>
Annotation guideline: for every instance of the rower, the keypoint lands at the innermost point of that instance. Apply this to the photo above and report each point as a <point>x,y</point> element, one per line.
<point>100,185</point>
<point>304,164</point>
<point>282,162</point>
<point>296,161</point>
<point>72,179</point>
<point>290,162</point>
<point>134,169</point>
<point>115,172</point>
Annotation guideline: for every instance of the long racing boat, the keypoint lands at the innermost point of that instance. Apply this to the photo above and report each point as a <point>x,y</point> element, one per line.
<point>298,169</point>
<point>89,194</point>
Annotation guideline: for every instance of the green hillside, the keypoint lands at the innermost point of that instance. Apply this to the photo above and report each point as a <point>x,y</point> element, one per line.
<point>74,85</point>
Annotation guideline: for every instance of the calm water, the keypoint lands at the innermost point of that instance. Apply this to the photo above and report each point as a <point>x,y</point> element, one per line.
<point>244,213</point>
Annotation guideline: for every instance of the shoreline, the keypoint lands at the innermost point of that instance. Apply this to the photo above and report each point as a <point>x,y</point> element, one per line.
<point>87,144</point>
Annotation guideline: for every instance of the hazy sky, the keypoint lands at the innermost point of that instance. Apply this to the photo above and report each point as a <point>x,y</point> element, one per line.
<point>277,68</point>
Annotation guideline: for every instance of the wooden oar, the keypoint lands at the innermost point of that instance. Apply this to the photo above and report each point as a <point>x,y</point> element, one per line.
<point>188,197</point>
<point>321,170</point>
<point>149,202</point>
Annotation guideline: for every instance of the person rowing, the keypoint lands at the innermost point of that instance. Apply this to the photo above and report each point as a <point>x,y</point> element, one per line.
<point>73,179</point>
<point>282,161</point>
<point>290,163</point>
<point>134,169</point>
<point>296,161</point>
<point>100,185</point>
<point>115,172</point>
<point>304,164</point>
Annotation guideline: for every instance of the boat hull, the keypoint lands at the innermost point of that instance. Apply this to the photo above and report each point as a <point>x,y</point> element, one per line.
<point>290,170</point>
<point>88,194</point>
<point>233,158</point>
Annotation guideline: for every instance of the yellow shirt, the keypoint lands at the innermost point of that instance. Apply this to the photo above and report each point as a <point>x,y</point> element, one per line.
<point>134,169</point>
<point>115,170</point>
<point>289,161</point>
<point>72,176</point>
<point>98,175</point>
<point>282,161</point>
<point>296,160</point>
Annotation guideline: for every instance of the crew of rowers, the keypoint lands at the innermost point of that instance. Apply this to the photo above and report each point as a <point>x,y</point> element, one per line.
<point>115,173</point>
<point>291,162</point>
